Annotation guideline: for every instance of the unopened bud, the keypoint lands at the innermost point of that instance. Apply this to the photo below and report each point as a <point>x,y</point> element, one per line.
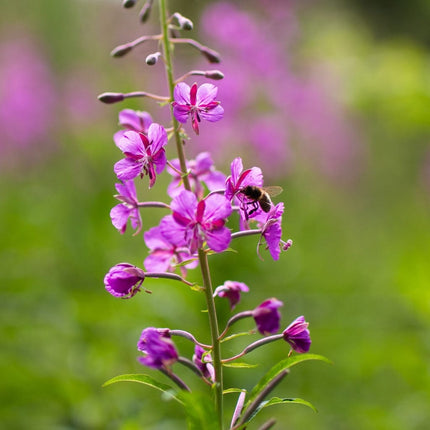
<point>214,74</point>
<point>128,3</point>
<point>184,23</point>
<point>109,98</point>
<point>121,50</point>
<point>152,59</point>
<point>211,55</point>
<point>145,11</point>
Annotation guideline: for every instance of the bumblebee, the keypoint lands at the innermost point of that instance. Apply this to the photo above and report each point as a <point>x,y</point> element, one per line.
<point>260,197</point>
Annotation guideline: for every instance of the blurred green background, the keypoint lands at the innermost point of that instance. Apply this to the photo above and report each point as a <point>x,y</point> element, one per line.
<point>357,198</point>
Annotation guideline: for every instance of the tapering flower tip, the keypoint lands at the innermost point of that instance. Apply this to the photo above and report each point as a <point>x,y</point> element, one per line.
<point>216,75</point>
<point>211,55</point>
<point>267,316</point>
<point>152,59</point>
<point>124,280</point>
<point>231,290</point>
<point>287,245</point>
<point>121,50</point>
<point>128,3</point>
<point>204,363</point>
<point>145,12</point>
<point>298,336</point>
<point>109,98</point>
<point>159,349</point>
<point>184,23</point>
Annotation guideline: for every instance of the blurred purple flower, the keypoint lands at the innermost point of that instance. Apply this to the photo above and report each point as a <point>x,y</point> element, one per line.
<point>133,120</point>
<point>231,290</point>
<point>27,96</point>
<point>166,252</point>
<point>144,154</point>
<point>267,316</point>
<point>204,363</point>
<point>201,170</point>
<point>199,221</point>
<point>127,209</point>
<point>124,280</point>
<point>159,349</point>
<point>297,335</point>
<point>197,103</point>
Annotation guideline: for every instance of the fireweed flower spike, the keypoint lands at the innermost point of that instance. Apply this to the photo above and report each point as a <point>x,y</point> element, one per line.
<point>159,349</point>
<point>201,171</point>
<point>128,209</point>
<point>231,290</point>
<point>133,120</point>
<point>197,103</point>
<point>298,336</point>
<point>267,316</point>
<point>144,154</point>
<point>124,280</point>
<point>200,221</point>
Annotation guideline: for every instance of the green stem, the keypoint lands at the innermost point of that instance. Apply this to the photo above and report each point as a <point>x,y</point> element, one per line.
<point>203,259</point>
<point>171,83</point>
<point>213,322</point>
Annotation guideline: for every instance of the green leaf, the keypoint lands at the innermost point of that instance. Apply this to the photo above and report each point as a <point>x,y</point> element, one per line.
<point>200,411</point>
<point>240,365</point>
<point>278,368</point>
<point>233,336</point>
<point>233,390</point>
<point>279,401</point>
<point>150,382</point>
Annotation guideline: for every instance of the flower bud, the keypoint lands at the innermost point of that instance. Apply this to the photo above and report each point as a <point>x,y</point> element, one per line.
<point>121,50</point>
<point>109,98</point>
<point>124,280</point>
<point>216,75</point>
<point>145,11</point>
<point>211,55</point>
<point>152,59</point>
<point>184,23</point>
<point>267,316</point>
<point>297,335</point>
<point>128,3</point>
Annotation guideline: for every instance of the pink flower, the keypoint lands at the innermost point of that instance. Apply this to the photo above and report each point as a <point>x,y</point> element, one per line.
<point>133,120</point>
<point>144,154</point>
<point>124,280</point>
<point>231,290</point>
<point>160,351</point>
<point>201,171</point>
<point>200,221</point>
<point>165,254</point>
<point>127,209</point>
<point>196,103</point>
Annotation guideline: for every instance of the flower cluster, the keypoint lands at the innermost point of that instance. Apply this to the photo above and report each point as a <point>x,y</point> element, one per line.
<point>206,211</point>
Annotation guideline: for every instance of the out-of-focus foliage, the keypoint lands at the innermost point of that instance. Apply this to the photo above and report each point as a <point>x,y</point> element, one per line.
<point>359,267</point>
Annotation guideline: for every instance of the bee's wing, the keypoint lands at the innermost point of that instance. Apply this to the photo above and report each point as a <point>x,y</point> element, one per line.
<point>273,191</point>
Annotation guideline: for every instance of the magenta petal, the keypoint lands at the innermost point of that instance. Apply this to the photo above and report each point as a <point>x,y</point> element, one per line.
<point>131,143</point>
<point>160,161</point>
<point>119,215</point>
<point>157,136</point>
<point>206,94</point>
<point>181,113</point>
<point>127,169</point>
<point>185,204</point>
<point>273,236</point>
<point>213,115</point>
<point>181,93</point>
<point>218,240</point>
<point>217,207</point>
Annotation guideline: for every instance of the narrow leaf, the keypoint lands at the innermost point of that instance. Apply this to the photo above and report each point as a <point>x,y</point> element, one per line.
<point>149,381</point>
<point>200,411</point>
<point>279,367</point>
<point>233,390</point>
<point>240,365</point>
